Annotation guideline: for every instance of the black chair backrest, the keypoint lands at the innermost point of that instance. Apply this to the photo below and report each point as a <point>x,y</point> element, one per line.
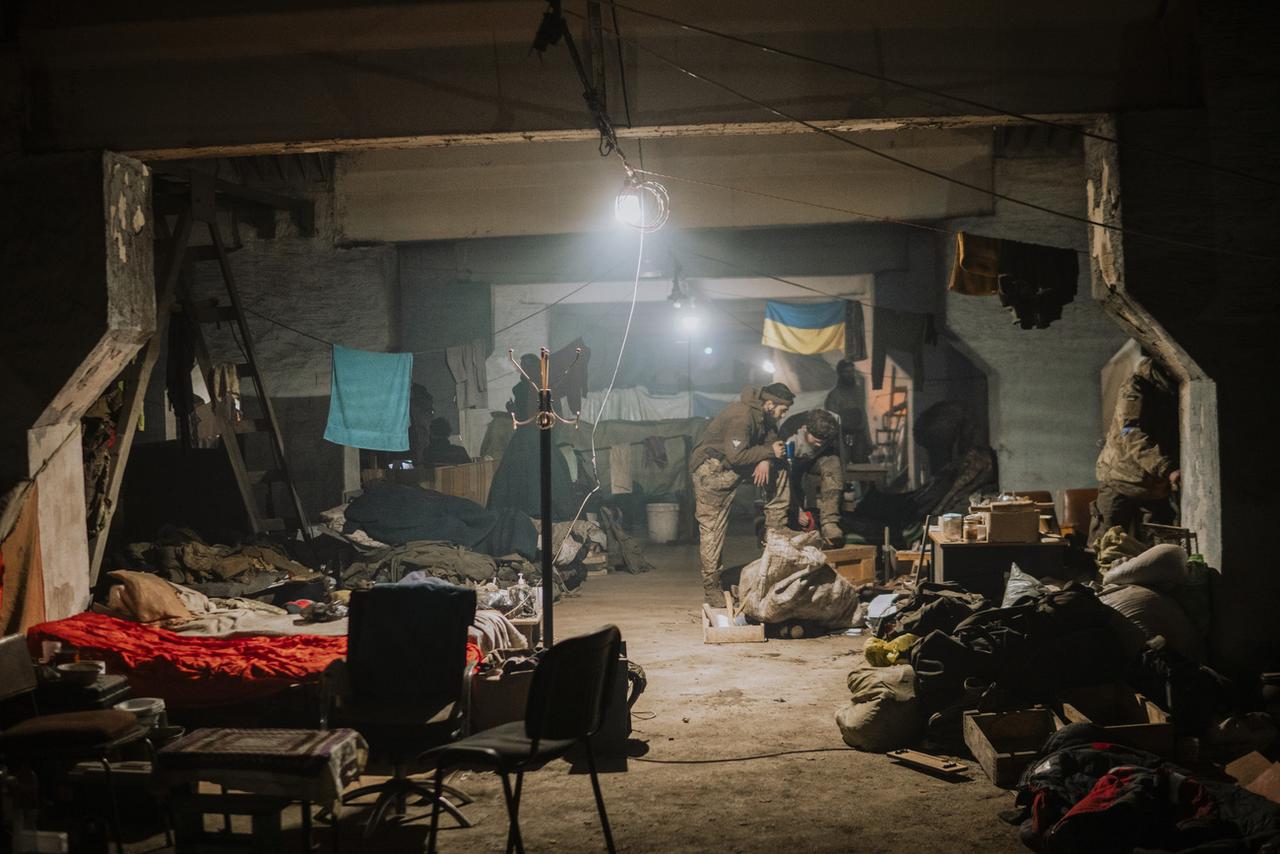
<point>17,676</point>
<point>409,641</point>
<point>571,685</point>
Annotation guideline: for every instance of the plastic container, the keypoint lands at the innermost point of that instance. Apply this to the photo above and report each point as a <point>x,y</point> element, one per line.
<point>146,709</point>
<point>664,520</point>
<point>952,526</point>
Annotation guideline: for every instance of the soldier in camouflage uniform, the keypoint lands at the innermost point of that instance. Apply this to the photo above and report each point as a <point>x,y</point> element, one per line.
<point>1137,469</point>
<point>818,471</point>
<point>739,443</point>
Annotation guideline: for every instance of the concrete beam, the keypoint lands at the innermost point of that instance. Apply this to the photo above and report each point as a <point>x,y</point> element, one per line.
<point>646,132</point>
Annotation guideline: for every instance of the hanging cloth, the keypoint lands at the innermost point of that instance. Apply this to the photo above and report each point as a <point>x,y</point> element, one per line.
<point>467,364</point>
<point>855,332</point>
<point>1034,282</point>
<point>906,331</point>
<point>369,400</point>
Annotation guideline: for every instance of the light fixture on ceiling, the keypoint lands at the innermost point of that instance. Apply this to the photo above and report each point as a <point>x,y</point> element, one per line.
<point>642,204</point>
<point>707,350</point>
<point>769,367</point>
<point>689,321</point>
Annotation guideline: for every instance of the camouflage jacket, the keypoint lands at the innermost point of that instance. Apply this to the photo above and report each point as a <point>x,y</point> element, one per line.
<point>1140,450</point>
<point>739,435</point>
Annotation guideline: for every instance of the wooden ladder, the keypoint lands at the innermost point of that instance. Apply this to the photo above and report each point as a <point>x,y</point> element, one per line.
<point>257,487</point>
<point>176,257</point>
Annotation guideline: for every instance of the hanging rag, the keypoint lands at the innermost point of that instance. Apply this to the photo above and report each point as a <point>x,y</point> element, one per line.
<point>181,358</point>
<point>569,377</point>
<point>855,332</point>
<point>467,364</point>
<point>1034,282</point>
<point>906,331</point>
<point>226,391</point>
<point>369,400</point>
<point>620,480</point>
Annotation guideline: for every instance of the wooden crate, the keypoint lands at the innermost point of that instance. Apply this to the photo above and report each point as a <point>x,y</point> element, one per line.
<point>468,480</point>
<point>1127,717</point>
<point>855,564</point>
<point>1005,743</point>
<point>712,633</point>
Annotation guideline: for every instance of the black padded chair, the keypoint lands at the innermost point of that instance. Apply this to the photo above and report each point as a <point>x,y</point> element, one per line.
<point>404,685</point>
<point>60,739</point>
<point>566,706</point>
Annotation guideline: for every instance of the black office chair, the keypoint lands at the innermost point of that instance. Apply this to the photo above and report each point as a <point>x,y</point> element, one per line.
<point>565,707</point>
<point>63,739</point>
<point>404,685</point>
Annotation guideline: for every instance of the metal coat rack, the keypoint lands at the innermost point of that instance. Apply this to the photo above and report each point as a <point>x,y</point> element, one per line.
<point>545,419</point>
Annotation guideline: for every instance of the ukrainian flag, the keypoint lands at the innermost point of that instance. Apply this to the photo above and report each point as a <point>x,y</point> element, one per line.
<point>805,328</point>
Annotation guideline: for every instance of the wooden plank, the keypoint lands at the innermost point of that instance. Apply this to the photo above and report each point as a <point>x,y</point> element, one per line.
<point>927,761</point>
<point>712,633</point>
<point>136,390</point>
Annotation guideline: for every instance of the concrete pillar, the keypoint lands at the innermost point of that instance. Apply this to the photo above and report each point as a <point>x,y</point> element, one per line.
<point>79,303</point>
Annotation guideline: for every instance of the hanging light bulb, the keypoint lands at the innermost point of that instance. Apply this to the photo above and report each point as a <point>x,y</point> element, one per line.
<point>707,350</point>
<point>642,205</point>
<point>690,321</point>
<point>769,367</point>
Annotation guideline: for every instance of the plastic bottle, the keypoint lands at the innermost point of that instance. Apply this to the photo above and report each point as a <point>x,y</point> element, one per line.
<point>522,596</point>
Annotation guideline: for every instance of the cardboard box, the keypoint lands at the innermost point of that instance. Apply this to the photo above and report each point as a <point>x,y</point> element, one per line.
<point>468,480</point>
<point>1012,525</point>
<point>855,564</point>
<point>1005,743</point>
<point>1128,717</point>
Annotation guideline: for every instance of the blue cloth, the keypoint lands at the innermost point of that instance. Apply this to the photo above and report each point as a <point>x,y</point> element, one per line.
<point>369,399</point>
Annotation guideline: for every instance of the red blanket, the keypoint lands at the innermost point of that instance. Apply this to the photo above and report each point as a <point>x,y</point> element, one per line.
<point>194,672</point>
<point>197,672</point>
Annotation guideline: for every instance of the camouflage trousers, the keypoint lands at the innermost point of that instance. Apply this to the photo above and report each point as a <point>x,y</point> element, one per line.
<point>714,485</point>
<point>824,479</point>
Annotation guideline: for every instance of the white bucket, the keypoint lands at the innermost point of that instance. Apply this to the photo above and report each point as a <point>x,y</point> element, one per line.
<point>664,520</point>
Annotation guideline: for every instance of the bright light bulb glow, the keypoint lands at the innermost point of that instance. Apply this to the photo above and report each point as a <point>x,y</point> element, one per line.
<point>768,366</point>
<point>707,350</point>
<point>642,205</point>
<point>690,322</point>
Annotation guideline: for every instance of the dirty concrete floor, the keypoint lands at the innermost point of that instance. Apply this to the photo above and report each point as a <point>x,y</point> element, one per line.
<point>709,702</point>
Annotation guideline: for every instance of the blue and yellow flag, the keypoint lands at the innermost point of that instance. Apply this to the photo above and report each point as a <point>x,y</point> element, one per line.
<point>805,328</point>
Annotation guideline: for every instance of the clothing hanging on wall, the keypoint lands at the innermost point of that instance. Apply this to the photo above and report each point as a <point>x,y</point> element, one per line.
<point>467,364</point>
<point>905,331</point>
<point>572,384</point>
<point>369,399</point>
<point>1034,282</point>
<point>855,336</point>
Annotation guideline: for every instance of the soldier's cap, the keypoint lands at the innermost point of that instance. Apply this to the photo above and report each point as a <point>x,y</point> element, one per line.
<point>778,393</point>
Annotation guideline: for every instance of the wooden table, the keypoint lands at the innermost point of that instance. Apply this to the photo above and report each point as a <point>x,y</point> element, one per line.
<point>984,567</point>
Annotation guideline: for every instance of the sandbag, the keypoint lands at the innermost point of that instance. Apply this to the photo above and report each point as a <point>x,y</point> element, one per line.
<point>1165,564</point>
<point>1156,614</point>
<point>883,713</point>
<point>792,581</point>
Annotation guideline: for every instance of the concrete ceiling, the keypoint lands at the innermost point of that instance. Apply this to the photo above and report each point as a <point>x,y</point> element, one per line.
<point>169,77</point>
<point>491,191</point>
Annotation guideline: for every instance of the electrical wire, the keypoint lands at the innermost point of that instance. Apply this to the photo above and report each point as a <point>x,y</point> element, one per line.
<point>622,71</point>
<point>942,176</point>
<point>938,93</point>
<point>725,759</point>
<point>622,348</point>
